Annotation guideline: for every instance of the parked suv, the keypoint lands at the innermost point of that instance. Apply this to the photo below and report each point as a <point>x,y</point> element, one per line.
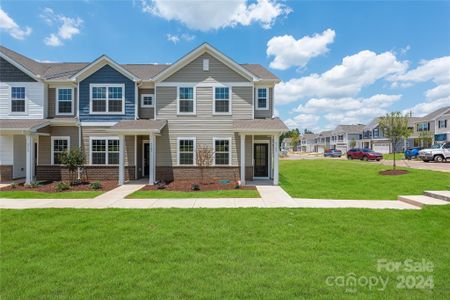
<point>332,153</point>
<point>364,154</point>
<point>438,153</point>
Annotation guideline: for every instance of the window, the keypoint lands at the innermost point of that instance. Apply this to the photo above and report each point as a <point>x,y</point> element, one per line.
<point>222,151</point>
<point>18,99</point>
<point>186,103</point>
<point>107,98</point>
<point>64,98</point>
<point>376,132</point>
<point>147,100</point>
<point>205,64</point>
<point>423,127</point>
<point>340,138</point>
<point>222,102</point>
<point>186,151</point>
<point>262,101</point>
<point>442,124</point>
<point>105,151</point>
<point>60,145</point>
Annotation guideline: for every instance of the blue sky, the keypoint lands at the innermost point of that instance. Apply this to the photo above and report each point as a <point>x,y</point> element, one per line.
<point>339,61</point>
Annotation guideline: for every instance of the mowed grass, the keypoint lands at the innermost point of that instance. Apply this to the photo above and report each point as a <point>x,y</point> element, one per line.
<point>217,253</point>
<point>390,156</point>
<point>199,194</point>
<point>341,179</point>
<point>44,195</point>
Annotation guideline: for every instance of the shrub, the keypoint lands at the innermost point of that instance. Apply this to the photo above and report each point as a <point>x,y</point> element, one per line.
<point>96,185</point>
<point>13,185</point>
<point>33,184</point>
<point>62,186</point>
<point>195,187</point>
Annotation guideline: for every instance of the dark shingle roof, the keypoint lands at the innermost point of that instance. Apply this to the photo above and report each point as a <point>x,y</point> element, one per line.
<point>22,124</point>
<point>139,125</point>
<point>434,114</point>
<point>274,124</point>
<point>63,71</point>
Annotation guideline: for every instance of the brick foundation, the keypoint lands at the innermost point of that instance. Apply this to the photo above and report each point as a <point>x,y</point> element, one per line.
<point>56,173</point>
<point>187,173</point>
<point>6,173</point>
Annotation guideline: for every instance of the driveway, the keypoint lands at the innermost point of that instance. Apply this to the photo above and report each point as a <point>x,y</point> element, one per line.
<point>443,167</point>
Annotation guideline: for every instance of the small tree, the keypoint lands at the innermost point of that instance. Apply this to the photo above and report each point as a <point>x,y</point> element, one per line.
<point>352,143</point>
<point>395,127</point>
<point>73,159</point>
<point>425,138</point>
<point>294,142</point>
<point>204,156</point>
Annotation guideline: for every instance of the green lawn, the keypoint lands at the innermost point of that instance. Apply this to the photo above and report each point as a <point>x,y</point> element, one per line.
<point>199,194</point>
<point>44,195</point>
<point>390,156</point>
<point>341,179</point>
<point>217,253</point>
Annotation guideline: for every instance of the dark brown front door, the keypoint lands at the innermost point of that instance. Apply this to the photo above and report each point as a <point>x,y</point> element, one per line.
<point>146,160</point>
<point>261,152</point>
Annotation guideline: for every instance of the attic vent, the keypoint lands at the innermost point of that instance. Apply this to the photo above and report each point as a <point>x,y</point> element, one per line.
<point>205,64</point>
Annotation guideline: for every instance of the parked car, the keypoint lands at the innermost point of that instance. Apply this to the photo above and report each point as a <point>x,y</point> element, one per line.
<point>438,153</point>
<point>364,154</point>
<point>412,153</point>
<point>332,153</point>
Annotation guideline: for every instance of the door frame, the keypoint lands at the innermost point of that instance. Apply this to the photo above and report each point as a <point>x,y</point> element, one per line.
<point>143,162</point>
<point>269,158</point>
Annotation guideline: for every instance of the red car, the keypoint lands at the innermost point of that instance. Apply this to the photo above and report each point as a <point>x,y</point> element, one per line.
<point>364,154</point>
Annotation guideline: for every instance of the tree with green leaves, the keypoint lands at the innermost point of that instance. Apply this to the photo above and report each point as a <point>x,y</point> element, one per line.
<point>73,159</point>
<point>425,138</point>
<point>294,141</point>
<point>352,143</point>
<point>394,125</point>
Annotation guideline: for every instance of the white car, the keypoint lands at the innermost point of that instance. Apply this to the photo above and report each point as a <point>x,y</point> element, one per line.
<point>438,153</point>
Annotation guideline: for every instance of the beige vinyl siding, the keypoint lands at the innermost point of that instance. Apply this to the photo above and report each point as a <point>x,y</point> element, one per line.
<point>89,131</point>
<point>262,114</point>
<point>52,104</point>
<point>145,112</point>
<point>218,72</point>
<point>34,99</point>
<point>45,144</point>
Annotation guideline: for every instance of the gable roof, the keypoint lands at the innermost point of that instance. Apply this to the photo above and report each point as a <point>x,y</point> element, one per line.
<point>98,62</point>
<point>205,48</point>
<point>66,70</point>
<point>355,128</point>
<point>436,114</point>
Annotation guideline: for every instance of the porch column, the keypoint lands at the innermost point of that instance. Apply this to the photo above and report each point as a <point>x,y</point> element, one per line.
<point>242,159</point>
<point>121,159</point>
<point>152,159</point>
<point>29,159</point>
<point>276,148</point>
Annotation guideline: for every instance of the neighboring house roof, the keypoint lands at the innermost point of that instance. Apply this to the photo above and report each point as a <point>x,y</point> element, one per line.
<point>435,114</point>
<point>261,125</point>
<point>66,70</point>
<point>22,124</point>
<point>309,136</point>
<point>139,126</point>
<point>326,133</point>
<point>358,128</point>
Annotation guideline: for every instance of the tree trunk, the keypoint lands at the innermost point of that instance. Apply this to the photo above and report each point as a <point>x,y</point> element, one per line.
<point>393,147</point>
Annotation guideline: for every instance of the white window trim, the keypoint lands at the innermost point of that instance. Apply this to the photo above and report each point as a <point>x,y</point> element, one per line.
<point>229,149</point>
<point>195,149</point>
<point>194,112</point>
<point>146,105</point>
<point>18,113</point>
<point>106,138</point>
<point>267,98</point>
<point>106,85</point>
<point>230,97</point>
<point>53,138</point>
<point>57,101</point>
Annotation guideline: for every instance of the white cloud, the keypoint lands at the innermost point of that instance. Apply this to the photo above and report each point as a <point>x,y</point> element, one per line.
<point>7,24</point>
<point>175,38</point>
<point>290,52</point>
<point>209,15</point>
<point>68,27</point>
<point>309,121</point>
<point>424,108</point>
<point>52,40</point>
<point>344,80</point>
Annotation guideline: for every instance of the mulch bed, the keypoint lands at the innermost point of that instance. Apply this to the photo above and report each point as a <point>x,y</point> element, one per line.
<point>393,172</point>
<point>186,186</point>
<point>50,187</point>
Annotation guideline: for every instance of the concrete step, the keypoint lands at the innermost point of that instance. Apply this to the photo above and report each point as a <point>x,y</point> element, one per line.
<point>441,195</point>
<point>420,201</point>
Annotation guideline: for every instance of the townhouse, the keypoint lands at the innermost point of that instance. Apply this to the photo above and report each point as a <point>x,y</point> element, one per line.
<point>307,142</point>
<point>138,120</point>
<point>345,135</point>
<point>435,125</point>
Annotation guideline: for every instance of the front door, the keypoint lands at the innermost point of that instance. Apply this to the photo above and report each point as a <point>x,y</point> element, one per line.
<point>146,160</point>
<point>261,152</point>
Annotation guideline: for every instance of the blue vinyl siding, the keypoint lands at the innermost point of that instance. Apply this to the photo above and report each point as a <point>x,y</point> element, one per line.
<point>107,74</point>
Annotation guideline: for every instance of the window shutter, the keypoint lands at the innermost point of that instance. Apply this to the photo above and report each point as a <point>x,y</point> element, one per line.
<point>428,126</point>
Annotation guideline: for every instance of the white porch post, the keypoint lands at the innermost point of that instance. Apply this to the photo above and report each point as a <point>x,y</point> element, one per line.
<point>276,148</point>
<point>121,159</point>
<point>29,159</point>
<point>152,159</point>
<point>242,159</point>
